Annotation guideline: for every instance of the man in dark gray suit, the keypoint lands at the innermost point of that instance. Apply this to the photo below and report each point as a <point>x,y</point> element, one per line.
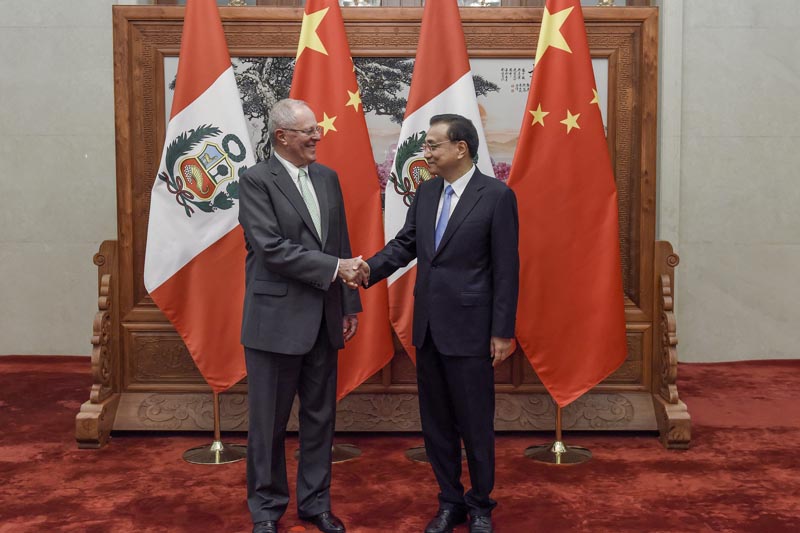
<point>296,316</point>
<point>463,229</point>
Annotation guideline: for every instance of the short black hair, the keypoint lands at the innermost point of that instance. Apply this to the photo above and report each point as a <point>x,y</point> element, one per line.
<point>459,128</point>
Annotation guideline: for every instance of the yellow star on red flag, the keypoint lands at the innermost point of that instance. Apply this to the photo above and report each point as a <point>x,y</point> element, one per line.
<point>538,115</point>
<point>595,100</point>
<point>308,33</point>
<point>550,33</point>
<point>571,121</point>
<point>355,99</point>
<point>327,124</point>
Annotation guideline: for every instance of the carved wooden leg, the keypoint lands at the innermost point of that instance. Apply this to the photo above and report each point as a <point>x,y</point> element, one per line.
<point>94,422</point>
<point>672,415</point>
<point>96,418</point>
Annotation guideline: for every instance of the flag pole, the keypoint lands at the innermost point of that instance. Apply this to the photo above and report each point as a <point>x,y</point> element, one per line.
<point>217,453</point>
<point>558,453</point>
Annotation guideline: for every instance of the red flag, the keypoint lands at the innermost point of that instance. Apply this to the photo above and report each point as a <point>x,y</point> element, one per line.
<point>571,316</point>
<point>324,76</point>
<point>437,86</point>
<point>194,262</point>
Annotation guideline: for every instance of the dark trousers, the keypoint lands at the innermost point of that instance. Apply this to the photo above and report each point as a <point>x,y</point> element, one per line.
<point>273,379</point>
<point>456,402</point>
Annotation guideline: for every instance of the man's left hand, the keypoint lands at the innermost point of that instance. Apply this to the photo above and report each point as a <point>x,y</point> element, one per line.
<point>500,349</point>
<point>349,326</point>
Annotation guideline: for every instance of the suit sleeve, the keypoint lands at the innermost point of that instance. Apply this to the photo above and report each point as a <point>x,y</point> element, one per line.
<point>399,251</point>
<point>505,265</point>
<point>280,255</point>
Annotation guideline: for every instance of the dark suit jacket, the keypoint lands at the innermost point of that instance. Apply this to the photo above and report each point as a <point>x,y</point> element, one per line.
<point>466,291</point>
<point>289,267</point>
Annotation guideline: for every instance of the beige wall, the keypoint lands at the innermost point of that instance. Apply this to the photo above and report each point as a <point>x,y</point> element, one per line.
<point>729,198</point>
<point>57,153</point>
<point>729,189</point>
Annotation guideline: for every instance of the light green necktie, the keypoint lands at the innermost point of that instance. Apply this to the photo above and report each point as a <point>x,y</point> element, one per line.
<point>308,198</point>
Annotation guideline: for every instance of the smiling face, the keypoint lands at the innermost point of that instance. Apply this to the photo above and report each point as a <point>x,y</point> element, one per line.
<point>446,158</point>
<point>297,143</point>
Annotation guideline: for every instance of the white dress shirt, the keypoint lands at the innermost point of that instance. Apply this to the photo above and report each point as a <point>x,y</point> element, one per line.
<point>459,185</point>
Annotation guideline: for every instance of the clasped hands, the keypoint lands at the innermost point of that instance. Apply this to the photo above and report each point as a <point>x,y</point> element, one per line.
<point>354,272</point>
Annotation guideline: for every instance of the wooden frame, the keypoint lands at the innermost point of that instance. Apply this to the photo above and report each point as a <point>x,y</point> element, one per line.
<point>143,375</point>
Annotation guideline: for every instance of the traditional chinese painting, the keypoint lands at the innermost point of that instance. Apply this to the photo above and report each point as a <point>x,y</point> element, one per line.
<point>501,86</point>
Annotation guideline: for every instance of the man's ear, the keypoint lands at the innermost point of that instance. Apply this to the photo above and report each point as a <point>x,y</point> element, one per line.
<point>463,149</point>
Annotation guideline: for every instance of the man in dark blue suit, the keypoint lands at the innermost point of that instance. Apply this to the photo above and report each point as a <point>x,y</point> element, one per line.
<point>463,229</point>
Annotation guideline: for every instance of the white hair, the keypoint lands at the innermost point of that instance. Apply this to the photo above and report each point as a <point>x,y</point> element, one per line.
<point>283,115</point>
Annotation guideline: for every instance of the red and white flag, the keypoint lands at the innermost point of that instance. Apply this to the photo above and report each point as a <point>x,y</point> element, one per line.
<point>571,312</point>
<point>194,263</point>
<point>324,78</point>
<point>441,83</point>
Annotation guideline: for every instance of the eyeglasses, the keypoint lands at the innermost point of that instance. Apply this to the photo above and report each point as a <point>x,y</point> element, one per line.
<point>308,131</point>
<point>430,147</point>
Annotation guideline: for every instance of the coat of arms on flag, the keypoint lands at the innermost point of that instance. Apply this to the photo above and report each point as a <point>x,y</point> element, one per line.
<point>199,175</point>
<point>410,168</point>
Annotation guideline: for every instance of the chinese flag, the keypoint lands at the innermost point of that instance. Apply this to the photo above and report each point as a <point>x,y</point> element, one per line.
<point>324,77</point>
<point>571,315</point>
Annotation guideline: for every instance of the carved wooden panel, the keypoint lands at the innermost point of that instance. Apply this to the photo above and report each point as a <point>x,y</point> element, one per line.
<point>159,357</point>
<point>390,412</point>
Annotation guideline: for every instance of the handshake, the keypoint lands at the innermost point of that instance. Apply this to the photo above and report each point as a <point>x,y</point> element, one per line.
<point>354,272</point>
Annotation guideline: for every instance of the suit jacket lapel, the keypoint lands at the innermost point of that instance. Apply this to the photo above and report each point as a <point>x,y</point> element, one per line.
<point>284,182</point>
<point>322,199</point>
<point>465,204</point>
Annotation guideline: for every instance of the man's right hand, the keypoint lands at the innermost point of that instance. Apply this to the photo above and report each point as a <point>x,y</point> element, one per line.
<point>354,272</point>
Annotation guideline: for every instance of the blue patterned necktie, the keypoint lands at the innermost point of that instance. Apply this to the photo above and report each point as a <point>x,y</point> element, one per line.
<point>444,216</point>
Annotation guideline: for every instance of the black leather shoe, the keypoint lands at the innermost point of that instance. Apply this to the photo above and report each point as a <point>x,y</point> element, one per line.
<point>445,520</point>
<point>480,524</point>
<point>267,526</point>
<point>326,522</point>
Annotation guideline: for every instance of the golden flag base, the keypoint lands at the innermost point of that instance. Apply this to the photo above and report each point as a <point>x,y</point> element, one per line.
<point>558,453</point>
<point>217,453</point>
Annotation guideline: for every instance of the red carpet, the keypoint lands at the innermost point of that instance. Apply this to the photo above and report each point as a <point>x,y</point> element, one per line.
<point>742,472</point>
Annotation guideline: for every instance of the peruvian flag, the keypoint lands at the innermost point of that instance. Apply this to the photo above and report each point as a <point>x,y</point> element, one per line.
<point>441,83</point>
<point>194,263</point>
<point>571,312</point>
<point>324,77</point>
